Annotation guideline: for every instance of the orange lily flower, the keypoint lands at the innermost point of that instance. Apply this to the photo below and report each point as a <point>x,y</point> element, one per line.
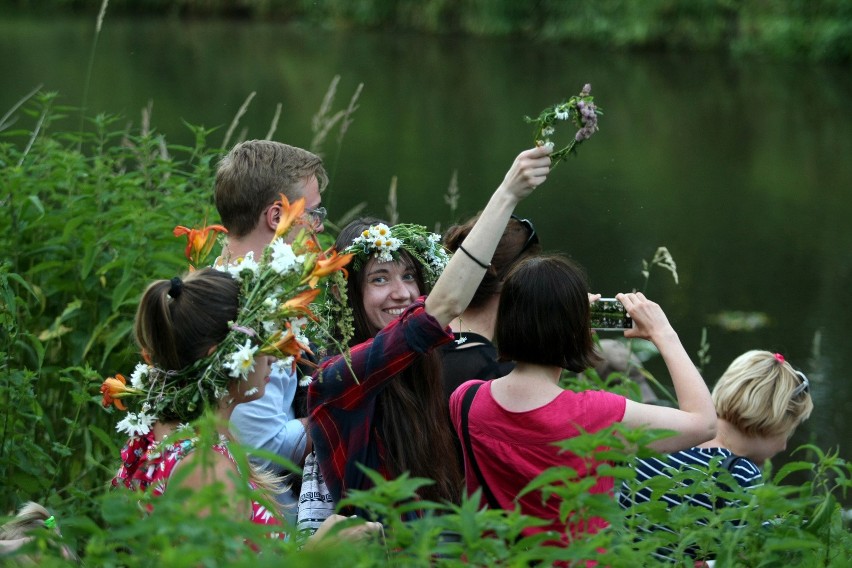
<point>289,213</point>
<point>300,304</point>
<point>310,245</point>
<point>329,265</point>
<point>114,389</point>
<point>199,241</point>
<point>287,344</point>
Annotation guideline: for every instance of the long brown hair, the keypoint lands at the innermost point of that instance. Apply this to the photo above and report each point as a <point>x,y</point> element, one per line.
<point>179,320</point>
<point>412,414</point>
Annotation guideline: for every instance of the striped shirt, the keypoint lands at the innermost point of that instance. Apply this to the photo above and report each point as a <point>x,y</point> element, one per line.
<point>743,470</point>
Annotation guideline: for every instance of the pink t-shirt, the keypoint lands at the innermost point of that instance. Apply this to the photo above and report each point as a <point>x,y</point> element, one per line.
<point>512,448</point>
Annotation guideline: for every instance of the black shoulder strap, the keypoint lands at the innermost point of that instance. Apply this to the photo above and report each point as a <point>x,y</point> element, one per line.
<point>465,410</point>
<point>730,462</point>
<point>727,464</point>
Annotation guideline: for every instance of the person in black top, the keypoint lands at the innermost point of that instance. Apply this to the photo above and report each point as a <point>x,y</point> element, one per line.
<point>472,355</point>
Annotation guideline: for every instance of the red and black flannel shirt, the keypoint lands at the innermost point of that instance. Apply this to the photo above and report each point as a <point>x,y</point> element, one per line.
<point>342,406</point>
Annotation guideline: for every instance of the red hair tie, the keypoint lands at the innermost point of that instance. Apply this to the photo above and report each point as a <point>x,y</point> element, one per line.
<point>779,357</point>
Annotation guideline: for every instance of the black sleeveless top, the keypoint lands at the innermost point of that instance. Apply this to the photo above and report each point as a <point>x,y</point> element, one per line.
<point>476,358</point>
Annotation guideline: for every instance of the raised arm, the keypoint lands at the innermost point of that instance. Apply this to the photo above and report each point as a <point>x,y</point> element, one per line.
<point>457,284</point>
<point>695,420</point>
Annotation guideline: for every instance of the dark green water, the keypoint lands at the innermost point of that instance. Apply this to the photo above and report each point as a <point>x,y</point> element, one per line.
<point>741,168</point>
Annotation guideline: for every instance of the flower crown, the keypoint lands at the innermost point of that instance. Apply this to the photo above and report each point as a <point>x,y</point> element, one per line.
<point>274,317</point>
<point>579,109</point>
<point>383,243</point>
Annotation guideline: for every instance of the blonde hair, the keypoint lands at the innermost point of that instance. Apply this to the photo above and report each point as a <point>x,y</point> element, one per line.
<point>31,517</point>
<point>755,395</point>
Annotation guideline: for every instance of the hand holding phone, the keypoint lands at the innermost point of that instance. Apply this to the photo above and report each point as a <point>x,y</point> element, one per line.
<point>608,314</point>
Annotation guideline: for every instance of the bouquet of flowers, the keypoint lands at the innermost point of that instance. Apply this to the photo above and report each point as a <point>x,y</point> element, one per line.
<point>274,318</point>
<point>579,109</point>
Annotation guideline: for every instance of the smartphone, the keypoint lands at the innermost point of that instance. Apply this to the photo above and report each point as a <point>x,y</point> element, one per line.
<point>609,315</point>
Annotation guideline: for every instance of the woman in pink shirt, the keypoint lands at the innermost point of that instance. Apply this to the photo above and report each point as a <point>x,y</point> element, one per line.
<point>543,324</point>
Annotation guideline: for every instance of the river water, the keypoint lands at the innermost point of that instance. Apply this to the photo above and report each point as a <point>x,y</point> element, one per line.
<point>741,168</point>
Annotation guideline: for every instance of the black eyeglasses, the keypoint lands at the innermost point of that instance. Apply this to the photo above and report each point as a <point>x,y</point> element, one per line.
<point>531,240</point>
<point>317,215</point>
<point>804,387</point>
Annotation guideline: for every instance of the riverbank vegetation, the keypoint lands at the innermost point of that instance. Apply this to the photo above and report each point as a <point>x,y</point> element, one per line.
<point>814,30</point>
<point>86,221</point>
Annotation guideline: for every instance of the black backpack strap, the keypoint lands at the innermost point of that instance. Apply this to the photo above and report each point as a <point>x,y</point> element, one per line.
<point>465,410</point>
<point>727,464</point>
<point>730,462</point>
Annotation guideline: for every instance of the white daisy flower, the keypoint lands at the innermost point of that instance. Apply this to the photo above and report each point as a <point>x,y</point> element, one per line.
<point>251,392</point>
<point>241,362</point>
<point>380,231</point>
<point>562,113</point>
<point>135,424</point>
<point>139,373</point>
<point>284,259</point>
<point>548,131</point>
<point>548,144</point>
<point>385,246</point>
<point>245,263</point>
<point>305,380</point>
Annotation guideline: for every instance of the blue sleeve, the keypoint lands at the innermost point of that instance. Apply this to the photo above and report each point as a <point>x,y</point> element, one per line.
<point>269,422</point>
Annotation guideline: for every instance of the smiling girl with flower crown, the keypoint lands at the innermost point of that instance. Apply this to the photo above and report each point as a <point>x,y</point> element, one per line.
<point>382,404</point>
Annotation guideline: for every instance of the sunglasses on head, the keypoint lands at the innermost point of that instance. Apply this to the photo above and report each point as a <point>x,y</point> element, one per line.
<point>531,240</point>
<point>804,387</point>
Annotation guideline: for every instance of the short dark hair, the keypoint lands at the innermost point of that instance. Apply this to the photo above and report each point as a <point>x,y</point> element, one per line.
<point>543,315</point>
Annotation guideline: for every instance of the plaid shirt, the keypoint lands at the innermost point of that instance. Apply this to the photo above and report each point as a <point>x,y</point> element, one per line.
<point>342,406</point>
